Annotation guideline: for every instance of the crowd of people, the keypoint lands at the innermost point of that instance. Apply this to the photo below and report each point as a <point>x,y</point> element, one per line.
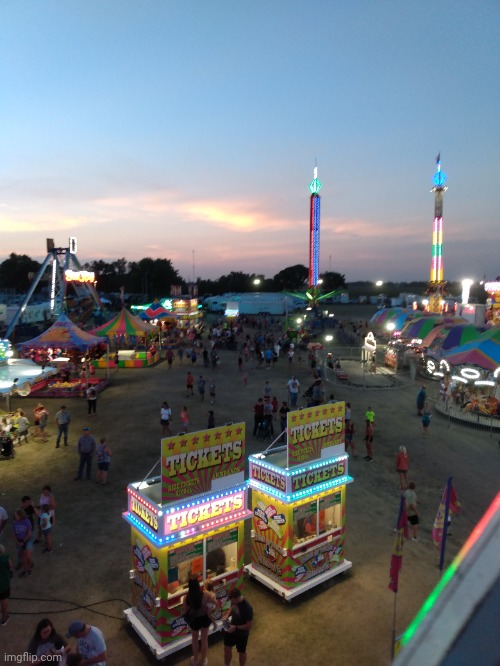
<point>260,349</point>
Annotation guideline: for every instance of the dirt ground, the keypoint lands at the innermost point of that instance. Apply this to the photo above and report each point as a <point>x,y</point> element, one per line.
<point>347,620</point>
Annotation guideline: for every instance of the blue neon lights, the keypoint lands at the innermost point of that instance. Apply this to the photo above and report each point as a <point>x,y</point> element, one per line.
<point>439,178</point>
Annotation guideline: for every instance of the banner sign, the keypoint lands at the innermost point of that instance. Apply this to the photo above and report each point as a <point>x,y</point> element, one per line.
<point>191,463</point>
<point>313,429</point>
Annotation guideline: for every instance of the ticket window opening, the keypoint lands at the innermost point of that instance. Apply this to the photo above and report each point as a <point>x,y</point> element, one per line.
<point>219,561</point>
<point>315,519</point>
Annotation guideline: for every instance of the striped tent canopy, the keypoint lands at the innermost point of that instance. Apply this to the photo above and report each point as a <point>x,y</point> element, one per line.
<point>451,336</point>
<point>125,323</point>
<point>399,320</point>
<point>156,311</point>
<point>420,328</point>
<point>483,352</point>
<point>63,334</point>
<point>381,316</point>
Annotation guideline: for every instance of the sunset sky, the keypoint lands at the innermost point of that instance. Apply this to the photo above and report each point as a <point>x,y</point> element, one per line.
<point>189,129</point>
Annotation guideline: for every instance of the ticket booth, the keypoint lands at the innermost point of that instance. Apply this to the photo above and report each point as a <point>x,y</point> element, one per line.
<point>298,503</point>
<point>188,521</point>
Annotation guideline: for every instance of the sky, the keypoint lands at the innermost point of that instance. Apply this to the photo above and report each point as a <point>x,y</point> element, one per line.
<point>189,130</point>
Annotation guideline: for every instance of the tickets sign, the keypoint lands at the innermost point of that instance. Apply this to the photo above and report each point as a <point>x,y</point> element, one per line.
<point>194,463</point>
<point>313,429</point>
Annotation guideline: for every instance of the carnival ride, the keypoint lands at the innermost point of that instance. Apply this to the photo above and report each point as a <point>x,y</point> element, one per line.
<point>65,269</point>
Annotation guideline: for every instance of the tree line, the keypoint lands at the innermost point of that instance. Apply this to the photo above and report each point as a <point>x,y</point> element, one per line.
<point>153,278</point>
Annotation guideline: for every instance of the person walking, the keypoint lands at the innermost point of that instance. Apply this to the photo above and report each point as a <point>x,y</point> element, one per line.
<point>90,643</point>
<point>165,418</point>
<point>402,466</point>
<point>411,507</point>
<point>211,419</point>
<point>369,440</point>
<point>103,456</point>
<point>198,608</point>
<point>184,418</point>
<point>211,392</point>
<point>63,419</point>
<point>201,387</point>
<point>426,418</point>
<point>239,621</point>
<point>258,415</point>
<point>86,450</point>
<point>23,535</point>
<point>189,385</point>
<point>91,400</point>
<point>293,391</point>
<point>36,418</point>
<point>43,416</point>
<point>6,572</point>
<point>421,397</point>
<point>46,497</point>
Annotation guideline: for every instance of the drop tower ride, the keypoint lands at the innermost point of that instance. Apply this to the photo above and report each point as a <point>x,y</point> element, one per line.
<point>314,220</point>
<point>437,286</point>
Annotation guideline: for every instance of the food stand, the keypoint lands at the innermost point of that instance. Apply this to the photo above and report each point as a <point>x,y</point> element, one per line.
<point>298,502</point>
<point>125,330</point>
<point>188,521</point>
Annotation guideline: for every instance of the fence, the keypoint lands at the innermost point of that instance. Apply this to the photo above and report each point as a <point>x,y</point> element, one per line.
<point>476,420</point>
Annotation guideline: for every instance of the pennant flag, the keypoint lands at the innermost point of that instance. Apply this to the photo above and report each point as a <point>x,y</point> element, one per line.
<point>449,498</point>
<point>402,533</point>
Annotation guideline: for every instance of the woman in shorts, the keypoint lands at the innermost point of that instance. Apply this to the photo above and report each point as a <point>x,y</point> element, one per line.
<point>198,607</point>
<point>103,456</point>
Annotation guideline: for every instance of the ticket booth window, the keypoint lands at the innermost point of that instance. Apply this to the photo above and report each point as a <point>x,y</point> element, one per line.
<point>207,558</point>
<point>222,553</point>
<point>317,517</point>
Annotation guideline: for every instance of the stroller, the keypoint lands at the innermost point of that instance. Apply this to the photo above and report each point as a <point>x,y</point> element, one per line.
<point>7,446</point>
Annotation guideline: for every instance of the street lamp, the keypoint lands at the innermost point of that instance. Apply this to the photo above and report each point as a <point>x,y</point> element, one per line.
<point>466,285</point>
<point>379,283</point>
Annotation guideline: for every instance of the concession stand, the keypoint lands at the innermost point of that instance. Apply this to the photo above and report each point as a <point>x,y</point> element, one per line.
<point>298,503</point>
<point>187,522</point>
<point>129,335</point>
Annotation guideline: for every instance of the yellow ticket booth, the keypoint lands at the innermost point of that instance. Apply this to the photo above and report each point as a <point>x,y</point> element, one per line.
<point>298,503</point>
<point>188,521</point>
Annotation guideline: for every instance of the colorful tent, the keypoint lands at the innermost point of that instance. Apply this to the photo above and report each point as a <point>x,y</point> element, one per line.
<point>156,311</point>
<point>483,352</point>
<point>64,334</point>
<point>422,327</point>
<point>124,323</point>
<point>451,337</point>
<point>399,320</point>
<point>381,316</point>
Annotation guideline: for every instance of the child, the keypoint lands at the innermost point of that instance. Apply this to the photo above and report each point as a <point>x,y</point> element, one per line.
<point>46,526</point>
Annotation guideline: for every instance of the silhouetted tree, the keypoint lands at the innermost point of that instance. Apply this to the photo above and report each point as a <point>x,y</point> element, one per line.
<point>291,278</point>
<point>17,272</point>
<point>331,281</point>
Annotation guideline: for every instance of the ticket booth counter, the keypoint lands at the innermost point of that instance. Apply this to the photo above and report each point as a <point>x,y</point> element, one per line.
<point>298,524</point>
<point>171,540</point>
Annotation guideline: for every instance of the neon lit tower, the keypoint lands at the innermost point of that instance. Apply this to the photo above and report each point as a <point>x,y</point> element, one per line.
<point>314,219</point>
<point>437,285</point>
